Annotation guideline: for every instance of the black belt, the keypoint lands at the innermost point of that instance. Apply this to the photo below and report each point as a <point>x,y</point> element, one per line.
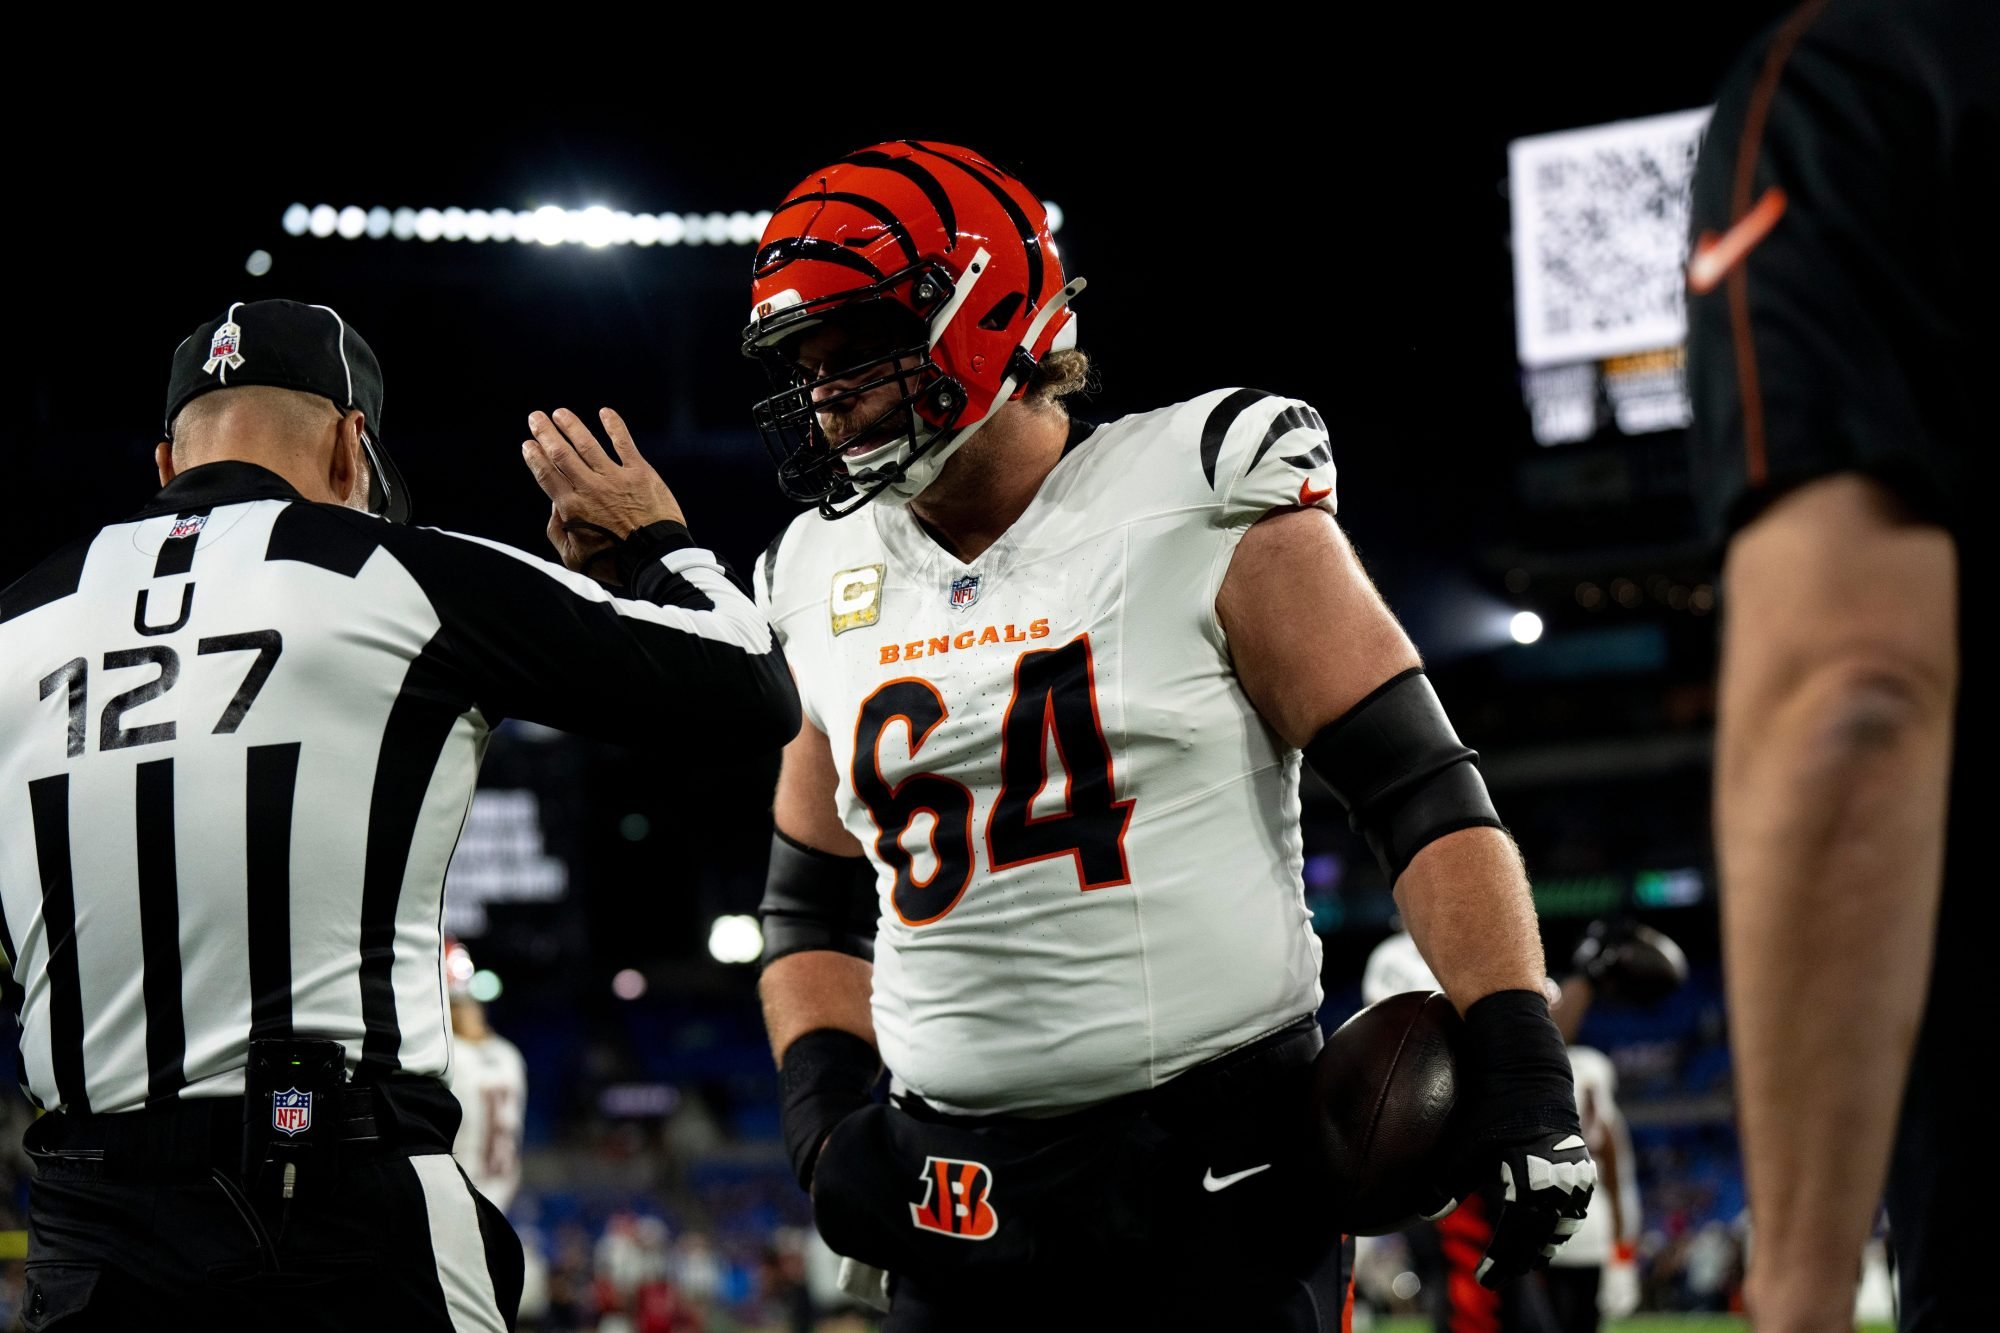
<point>188,1136</point>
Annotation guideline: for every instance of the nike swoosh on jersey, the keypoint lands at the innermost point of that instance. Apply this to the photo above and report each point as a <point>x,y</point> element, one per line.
<point>1715,255</point>
<point>1308,496</point>
<point>1212,1182</point>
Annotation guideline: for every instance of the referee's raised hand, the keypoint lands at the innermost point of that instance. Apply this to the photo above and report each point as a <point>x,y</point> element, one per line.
<point>595,499</point>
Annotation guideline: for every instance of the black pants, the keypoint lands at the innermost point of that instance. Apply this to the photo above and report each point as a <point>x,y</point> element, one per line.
<point>1192,1207</point>
<point>1572,1292</point>
<point>1205,1293</point>
<point>388,1234</point>
<point>1937,1232</point>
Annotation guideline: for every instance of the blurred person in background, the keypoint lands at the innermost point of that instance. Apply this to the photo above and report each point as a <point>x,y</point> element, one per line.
<point>697,1270</point>
<point>1096,1000</point>
<point>1842,344</point>
<point>490,1080</point>
<point>621,1261</point>
<point>1595,1273</point>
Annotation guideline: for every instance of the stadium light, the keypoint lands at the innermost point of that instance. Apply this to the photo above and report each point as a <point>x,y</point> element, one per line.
<point>629,984</point>
<point>1526,627</point>
<point>596,227</point>
<point>736,939</point>
<point>548,225</point>
<point>591,227</point>
<point>485,986</point>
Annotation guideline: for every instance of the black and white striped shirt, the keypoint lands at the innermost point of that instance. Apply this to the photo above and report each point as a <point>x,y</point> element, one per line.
<point>238,739</point>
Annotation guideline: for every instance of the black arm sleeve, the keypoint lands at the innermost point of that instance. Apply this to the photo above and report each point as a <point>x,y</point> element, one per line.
<point>817,900</point>
<point>1401,772</point>
<point>682,655</point>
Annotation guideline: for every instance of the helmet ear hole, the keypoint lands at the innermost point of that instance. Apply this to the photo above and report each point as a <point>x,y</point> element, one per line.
<point>1002,312</point>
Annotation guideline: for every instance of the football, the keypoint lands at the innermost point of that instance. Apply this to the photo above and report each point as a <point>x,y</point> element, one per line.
<point>1384,1090</point>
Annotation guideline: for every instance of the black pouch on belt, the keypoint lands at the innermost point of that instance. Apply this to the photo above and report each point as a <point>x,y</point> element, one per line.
<point>291,1099</point>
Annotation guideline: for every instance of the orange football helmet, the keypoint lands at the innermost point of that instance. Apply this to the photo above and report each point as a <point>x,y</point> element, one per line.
<point>941,267</point>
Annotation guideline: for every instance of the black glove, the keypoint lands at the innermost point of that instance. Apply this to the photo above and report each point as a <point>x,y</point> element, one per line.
<point>826,1076</point>
<point>1627,961</point>
<point>1522,1132</point>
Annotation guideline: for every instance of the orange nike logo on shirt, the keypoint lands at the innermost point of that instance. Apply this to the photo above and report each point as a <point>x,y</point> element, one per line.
<point>1308,496</point>
<point>1715,255</point>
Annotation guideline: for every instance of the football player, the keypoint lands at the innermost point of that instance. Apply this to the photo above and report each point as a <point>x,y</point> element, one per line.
<point>1060,680</point>
<point>490,1080</point>
<point>1595,1272</point>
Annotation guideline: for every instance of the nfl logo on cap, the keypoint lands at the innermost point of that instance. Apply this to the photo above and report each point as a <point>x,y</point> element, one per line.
<point>964,591</point>
<point>291,1111</point>
<point>222,347</point>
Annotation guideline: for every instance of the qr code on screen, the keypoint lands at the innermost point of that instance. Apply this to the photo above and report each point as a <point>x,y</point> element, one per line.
<point>1600,237</point>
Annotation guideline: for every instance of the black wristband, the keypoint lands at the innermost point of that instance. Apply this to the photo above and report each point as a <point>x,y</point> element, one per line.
<point>648,544</point>
<point>1520,1074</point>
<point>826,1075</point>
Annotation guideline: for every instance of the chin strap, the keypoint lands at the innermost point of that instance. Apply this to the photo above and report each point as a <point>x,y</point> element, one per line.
<point>937,454</point>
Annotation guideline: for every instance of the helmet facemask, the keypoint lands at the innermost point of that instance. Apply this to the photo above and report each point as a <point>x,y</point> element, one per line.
<point>932,235</point>
<point>887,346</point>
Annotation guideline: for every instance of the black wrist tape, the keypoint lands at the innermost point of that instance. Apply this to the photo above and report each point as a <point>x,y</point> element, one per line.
<point>826,1075</point>
<point>1520,1073</point>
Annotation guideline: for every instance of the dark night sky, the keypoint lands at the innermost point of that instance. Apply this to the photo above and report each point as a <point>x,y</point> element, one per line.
<point>1327,218</point>
<point>1342,238</point>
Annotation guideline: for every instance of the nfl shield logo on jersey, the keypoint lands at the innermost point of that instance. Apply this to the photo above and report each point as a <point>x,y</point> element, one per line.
<point>291,1111</point>
<point>964,591</point>
<point>187,527</point>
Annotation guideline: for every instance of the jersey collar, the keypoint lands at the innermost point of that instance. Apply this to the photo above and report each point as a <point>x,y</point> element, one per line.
<point>906,539</point>
<point>1079,431</point>
<point>230,481</point>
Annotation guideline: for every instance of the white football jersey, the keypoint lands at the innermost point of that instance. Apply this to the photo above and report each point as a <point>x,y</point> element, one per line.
<point>1597,1106</point>
<point>1395,966</point>
<point>1086,840</point>
<point>490,1080</point>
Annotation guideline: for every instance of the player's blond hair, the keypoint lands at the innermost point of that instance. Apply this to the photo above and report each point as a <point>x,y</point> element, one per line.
<point>1059,375</point>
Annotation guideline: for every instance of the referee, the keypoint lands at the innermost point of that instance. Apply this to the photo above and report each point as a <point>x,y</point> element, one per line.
<point>1844,282</point>
<point>238,737</point>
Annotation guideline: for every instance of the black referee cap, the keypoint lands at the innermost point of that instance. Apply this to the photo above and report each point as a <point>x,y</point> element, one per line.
<point>290,345</point>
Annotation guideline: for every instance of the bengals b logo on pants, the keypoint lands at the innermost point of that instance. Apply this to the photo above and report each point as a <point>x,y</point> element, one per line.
<point>954,1202</point>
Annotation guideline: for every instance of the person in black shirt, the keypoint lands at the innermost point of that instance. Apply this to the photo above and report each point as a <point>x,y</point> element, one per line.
<point>239,733</point>
<point>1841,356</point>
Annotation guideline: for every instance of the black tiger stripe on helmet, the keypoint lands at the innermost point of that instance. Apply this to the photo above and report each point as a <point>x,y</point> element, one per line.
<point>1030,242</point>
<point>875,208</point>
<point>914,172</point>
